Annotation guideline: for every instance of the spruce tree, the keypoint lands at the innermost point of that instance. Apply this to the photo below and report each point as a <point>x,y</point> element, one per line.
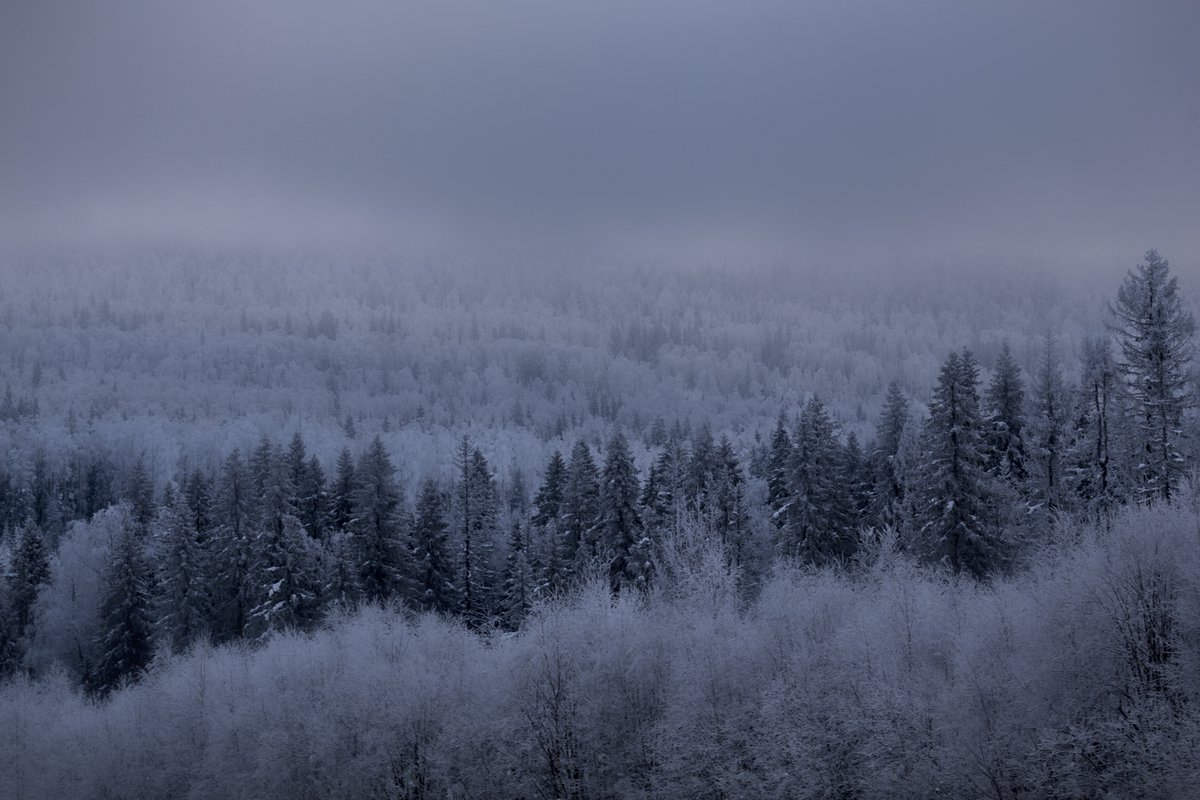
<point>518,589</point>
<point>341,510</point>
<point>377,527</point>
<point>549,497</point>
<point>957,518</point>
<point>1154,332</point>
<point>580,511</point>
<point>433,580</point>
<point>779,473</point>
<point>728,512</point>
<point>1048,431</point>
<point>286,578</point>
<point>29,572</point>
<point>887,494</point>
<point>1093,469</point>
<point>233,549</point>
<point>1005,437</point>
<point>123,644</point>
<point>621,524</point>
<point>817,526</point>
<point>183,602</point>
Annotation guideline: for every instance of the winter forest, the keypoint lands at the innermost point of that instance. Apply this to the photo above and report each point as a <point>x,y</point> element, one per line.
<point>465,545</point>
<point>539,400</point>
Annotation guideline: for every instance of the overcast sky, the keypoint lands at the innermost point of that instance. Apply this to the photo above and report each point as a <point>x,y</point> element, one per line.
<point>906,129</point>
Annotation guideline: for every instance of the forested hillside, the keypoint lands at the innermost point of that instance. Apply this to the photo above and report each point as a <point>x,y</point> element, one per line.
<point>718,575</point>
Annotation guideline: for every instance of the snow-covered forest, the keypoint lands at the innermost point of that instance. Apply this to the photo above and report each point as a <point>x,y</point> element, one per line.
<point>575,540</point>
<point>541,400</point>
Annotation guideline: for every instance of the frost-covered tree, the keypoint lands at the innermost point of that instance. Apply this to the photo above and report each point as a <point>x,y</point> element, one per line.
<point>817,527</point>
<point>377,528</point>
<point>29,572</point>
<point>313,500</point>
<point>341,510</point>
<point>1005,435</point>
<point>621,524</point>
<point>957,519</point>
<point>434,586</point>
<point>140,493</point>
<point>887,494</point>
<point>1093,470</point>
<point>1048,430</point>
<point>124,645</point>
<point>548,500</point>
<point>728,511</point>
<point>580,510</point>
<point>286,578</point>
<point>1154,332</point>
<point>779,472</point>
<point>182,591</point>
<point>518,589</point>
<point>233,548</point>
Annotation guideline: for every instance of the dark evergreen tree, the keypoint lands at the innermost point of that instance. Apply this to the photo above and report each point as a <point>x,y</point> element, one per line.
<point>518,589</point>
<point>728,512</point>
<point>1154,332</point>
<point>1005,442</point>
<point>377,527</point>
<point>233,549</point>
<point>1093,471</point>
<point>1048,431</point>
<point>887,494</point>
<point>434,586</point>
<point>313,500</point>
<point>956,507</point>
<point>580,511</point>
<point>620,522</point>
<point>183,602</point>
<point>779,473</point>
<point>817,527</point>
<point>124,644</point>
<point>341,511</point>
<point>286,578</point>
<point>140,494</point>
<point>549,497</point>
<point>30,571</point>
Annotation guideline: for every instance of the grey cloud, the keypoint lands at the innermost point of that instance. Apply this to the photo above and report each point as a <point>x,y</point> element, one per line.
<point>907,129</point>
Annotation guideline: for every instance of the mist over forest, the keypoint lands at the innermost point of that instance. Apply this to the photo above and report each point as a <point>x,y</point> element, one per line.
<point>599,400</point>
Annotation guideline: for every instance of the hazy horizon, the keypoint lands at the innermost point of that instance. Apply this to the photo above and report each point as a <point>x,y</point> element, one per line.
<point>876,132</point>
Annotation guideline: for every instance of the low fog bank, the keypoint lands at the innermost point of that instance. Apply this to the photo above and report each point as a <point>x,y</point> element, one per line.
<point>1078,677</point>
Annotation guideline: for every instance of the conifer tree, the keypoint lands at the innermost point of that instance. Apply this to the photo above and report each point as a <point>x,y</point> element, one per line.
<point>956,510</point>
<point>341,510</point>
<point>183,603</point>
<point>287,579</point>
<point>141,494</point>
<point>620,522</point>
<point>233,549</point>
<point>549,497</point>
<point>779,473</point>
<point>313,500</point>
<point>377,527</point>
<point>1051,409</point>
<point>1093,470</point>
<point>817,525</point>
<point>518,590</point>
<point>434,581</point>
<point>124,644</point>
<point>729,514</point>
<point>1005,439</point>
<point>580,510</point>
<point>887,493</point>
<point>29,572</point>
<point>1154,332</point>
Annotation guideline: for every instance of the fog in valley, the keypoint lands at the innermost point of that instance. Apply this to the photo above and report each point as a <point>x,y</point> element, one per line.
<point>542,400</point>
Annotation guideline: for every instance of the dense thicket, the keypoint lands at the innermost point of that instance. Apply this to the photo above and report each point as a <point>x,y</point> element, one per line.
<point>1076,678</point>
